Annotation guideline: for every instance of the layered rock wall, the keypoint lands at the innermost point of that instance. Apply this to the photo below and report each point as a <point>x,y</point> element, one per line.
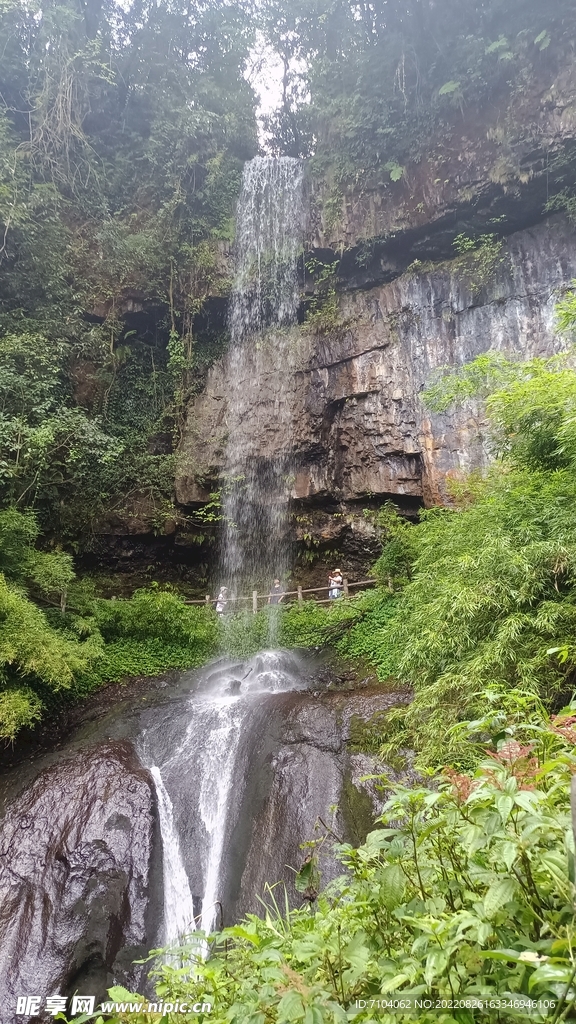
<point>359,428</point>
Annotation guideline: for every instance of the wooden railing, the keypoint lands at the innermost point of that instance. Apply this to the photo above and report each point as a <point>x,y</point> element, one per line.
<point>289,596</point>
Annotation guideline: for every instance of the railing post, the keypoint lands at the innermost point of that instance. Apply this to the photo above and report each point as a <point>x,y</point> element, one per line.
<point>345,586</point>
<point>300,598</point>
<point>207,599</point>
<point>254,601</point>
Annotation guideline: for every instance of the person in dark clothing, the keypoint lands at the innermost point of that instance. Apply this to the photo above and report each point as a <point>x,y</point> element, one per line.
<point>276,594</point>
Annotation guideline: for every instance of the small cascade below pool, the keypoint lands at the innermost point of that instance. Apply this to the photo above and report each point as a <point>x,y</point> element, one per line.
<point>206,773</point>
<point>178,903</point>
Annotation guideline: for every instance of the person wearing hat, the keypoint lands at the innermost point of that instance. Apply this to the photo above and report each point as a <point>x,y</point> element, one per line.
<point>276,595</point>
<point>335,584</point>
<point>222,601</point>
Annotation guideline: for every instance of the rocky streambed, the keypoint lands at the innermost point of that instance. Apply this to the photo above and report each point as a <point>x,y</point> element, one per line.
<point>175,809</point>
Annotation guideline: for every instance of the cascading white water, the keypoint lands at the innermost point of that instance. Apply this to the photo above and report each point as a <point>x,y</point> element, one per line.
<point>225,718</point>
<point>200,780</point>
<point>178,902</point>
<point>263,307</point>
<point>206,764</point>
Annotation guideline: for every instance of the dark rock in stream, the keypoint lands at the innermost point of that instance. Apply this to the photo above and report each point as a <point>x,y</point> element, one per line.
<point>306,784</point>
<point>75,850</point>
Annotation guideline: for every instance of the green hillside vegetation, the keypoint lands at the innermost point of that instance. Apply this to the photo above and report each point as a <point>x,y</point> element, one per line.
<point>123,129</point>
<point>58,642</point>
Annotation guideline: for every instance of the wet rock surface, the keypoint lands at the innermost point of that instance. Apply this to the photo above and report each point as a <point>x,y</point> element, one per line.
<point>306,784</point>
<point>75,857</point>
<point>359,427</point>
<point>81,854</point>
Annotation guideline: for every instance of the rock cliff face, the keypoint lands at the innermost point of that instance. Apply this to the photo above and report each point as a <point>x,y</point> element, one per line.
<point>492,169</point>
<point>359,428</point>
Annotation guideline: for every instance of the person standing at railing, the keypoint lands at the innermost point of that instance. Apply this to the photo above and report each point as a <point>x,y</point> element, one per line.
<point>276,595</point>
<point>222,601</point>
<point>335,584</point>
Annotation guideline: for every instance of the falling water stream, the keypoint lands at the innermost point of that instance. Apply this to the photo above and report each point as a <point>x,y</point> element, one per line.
<point>263,308</point>
<point>178,902</point>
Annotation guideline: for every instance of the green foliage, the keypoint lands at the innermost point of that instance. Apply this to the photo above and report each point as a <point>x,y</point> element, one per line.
<point>531,405</point>
<point>323,313</point>
<point>478,259</point>
<point>475,379</point>
<point>369,89</point>
<point>156,613</point>
<point>34,658</point>
<point>566,311</point>
<point>151,632</point>
<point>491,594</point>
<point>121,143</point>
<point>49,657</point>
<point>465,891</point>
<point>564,201</point>
<point>394,564</point>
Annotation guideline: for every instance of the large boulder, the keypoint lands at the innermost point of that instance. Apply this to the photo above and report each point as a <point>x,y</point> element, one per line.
<point>75,851</point>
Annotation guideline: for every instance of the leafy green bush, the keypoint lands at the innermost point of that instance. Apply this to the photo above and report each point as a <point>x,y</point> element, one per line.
<point>491,599</point>
<point>36,660</point>
<point>152,631</point>
<point>304,625</point>
<point>464,891</point>
<point>155,612</point>
<point>127,657</point>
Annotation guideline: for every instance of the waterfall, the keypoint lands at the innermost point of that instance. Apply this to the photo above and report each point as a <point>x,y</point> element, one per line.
<point>263,308</point>
<point>178,902</point>
<point>199,770</point>
<point>204,772</point>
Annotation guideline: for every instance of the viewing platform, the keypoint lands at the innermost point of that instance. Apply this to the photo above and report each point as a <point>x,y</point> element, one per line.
<point>261,600</point>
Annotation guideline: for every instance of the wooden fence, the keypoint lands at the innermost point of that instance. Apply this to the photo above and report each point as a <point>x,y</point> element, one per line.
<point>290,596</point>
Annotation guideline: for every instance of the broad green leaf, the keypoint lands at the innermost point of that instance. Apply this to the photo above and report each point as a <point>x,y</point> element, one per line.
<point>392,882</point>
<point>499,893</point>
<point>313,1015</point>
<point>508,852</point>
<point>435,965</point>
<point>448,88</point>
<point>504,803</point>
<point>290,1007</point>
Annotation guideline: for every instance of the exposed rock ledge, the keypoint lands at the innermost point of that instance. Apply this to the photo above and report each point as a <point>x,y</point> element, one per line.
<point>359,426</point>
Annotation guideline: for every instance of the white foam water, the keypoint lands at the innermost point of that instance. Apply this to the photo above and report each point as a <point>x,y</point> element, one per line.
<point>202,777</point>
<point>178,903</point>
